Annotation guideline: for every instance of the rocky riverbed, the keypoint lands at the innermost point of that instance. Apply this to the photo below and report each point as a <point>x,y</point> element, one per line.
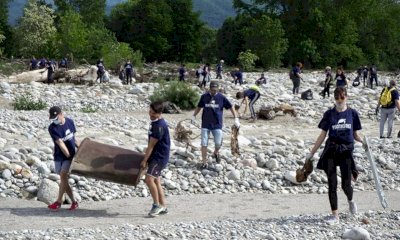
<point>270,150</point>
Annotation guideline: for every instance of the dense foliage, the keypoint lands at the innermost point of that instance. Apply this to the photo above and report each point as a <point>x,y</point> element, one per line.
<point>279,33</point>
<point>180,93</point>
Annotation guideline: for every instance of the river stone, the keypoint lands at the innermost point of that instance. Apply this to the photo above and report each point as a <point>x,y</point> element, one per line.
<point>6,174</point>
<point>48,191</point>
<point>356,233</point>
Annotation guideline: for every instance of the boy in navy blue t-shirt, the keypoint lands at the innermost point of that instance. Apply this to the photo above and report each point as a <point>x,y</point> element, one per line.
<point>62,130</point>
<point>156,157</point>
<point>213,104</point>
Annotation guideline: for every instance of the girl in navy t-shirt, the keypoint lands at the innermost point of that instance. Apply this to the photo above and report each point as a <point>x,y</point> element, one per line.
<point>341,124</point>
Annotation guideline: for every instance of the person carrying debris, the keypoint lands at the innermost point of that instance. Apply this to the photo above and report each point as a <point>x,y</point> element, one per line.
<point>252,94</point>
<point>388,101</point>
<point>101,70</point>
<point>213,104</point>
<point>295,77</point>
<point>340,77</point>
<point>328,81</point>
<point>156,157</point>
<point>128,72</point>
<point>342,124</point>
<point>62,131</point>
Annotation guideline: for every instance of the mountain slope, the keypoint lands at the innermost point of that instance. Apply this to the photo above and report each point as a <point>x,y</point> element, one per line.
<point>212,12</point>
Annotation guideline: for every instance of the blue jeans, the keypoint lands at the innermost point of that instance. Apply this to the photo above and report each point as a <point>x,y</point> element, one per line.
<point>217,134</point>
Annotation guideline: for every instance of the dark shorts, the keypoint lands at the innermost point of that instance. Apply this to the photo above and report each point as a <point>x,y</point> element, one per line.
<point>154,170</point>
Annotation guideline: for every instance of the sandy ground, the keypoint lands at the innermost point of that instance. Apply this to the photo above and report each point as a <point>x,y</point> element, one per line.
<point>18,214</point>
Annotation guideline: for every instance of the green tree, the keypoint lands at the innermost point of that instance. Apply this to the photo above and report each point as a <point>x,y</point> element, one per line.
<point>35,33</point>
<point>73,35</point>
<point>115,54</point>
<point>247,60</point>
<point>92,11</point>
<point>265,37</point>
<point>147,26</point>
<point>5,30</point>
<point>185,34</point>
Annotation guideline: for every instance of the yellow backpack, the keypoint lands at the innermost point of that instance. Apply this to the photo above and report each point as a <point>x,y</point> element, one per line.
<point>255,88</point>
<point>386,97</point>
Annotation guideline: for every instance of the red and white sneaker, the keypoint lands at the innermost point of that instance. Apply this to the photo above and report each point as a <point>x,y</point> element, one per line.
<point>74,206</point>
<point>54,206</point>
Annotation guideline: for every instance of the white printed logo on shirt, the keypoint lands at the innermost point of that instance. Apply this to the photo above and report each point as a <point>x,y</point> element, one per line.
<point>68,135</point>
<point>341,124</point>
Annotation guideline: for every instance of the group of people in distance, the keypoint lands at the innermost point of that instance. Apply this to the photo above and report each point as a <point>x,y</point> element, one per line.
<point>48,65</point>
<point>339,126</point>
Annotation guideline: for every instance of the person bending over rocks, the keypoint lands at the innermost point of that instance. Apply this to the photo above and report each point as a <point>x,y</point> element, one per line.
<point>252,94</point>
<point>62,130</point>
<point>213,104</point>
<point>342,124</point>
<point>156,157</point>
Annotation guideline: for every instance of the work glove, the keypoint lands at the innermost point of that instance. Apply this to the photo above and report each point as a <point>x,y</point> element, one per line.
<point>237,123</point>
<point>193,119</point>
<point>309,156</point>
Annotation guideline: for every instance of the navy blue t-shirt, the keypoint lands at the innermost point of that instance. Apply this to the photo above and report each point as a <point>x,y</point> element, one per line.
<point>239,75</point>
<point>128,68</point>
<point>250,93</point>
<point>213,108</point>
<point>182,71</point>
<point>66,133</point>
<point>219,68</point>
<point>340,80</point>
<point>159,130</point>
<point>340,125</point>
<point>395,96</point>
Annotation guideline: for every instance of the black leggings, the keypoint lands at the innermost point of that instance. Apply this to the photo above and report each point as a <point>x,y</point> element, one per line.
<point>296,85</point>
<point>346,172</point>
<point>326,90</point>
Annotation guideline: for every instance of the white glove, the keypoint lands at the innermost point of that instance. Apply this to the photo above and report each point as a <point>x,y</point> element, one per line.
<point>309,156</point>
<point>193,119</point>
<point>237,123</point>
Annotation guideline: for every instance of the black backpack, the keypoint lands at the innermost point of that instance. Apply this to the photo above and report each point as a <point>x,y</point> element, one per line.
<point>307,95</point>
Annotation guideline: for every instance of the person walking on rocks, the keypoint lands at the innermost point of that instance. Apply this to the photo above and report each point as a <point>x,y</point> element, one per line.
<point>252,94</point>
<point>128,72</point>
<point>206,74</point>
<point>219,69</point>
<point>199,75</point>
<point>213,104</point>
<point>50,68</point>
<point>156,157</point>
<point>365,74</point>
<point>62,131</point>
<point>328,81</point>
<point>182,72</point>
<point>388,100</point>
<point>342,124</point>
<point>373,75</point>
<point>340,78</point>
<point>101,70</point>
<point>296,78</point>
<point>261,80</point>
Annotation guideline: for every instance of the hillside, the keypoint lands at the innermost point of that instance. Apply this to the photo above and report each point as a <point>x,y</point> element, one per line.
<point>213,12</point>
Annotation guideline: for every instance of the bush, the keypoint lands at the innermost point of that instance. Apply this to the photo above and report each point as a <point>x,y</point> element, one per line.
<point>247,60</point>
<point>180,93</point>
<point>27,103</point>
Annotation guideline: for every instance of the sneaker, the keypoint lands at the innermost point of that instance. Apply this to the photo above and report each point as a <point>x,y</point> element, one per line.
<point>155,210</point>
<point>217,158</point>
<point>54,206</point>
<point>164,211</point>
<point>353,207</point>
<point>332,220</point>
<point>74,206</point>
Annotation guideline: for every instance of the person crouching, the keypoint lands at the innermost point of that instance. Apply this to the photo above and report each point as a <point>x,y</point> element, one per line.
<point>250,97</point>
